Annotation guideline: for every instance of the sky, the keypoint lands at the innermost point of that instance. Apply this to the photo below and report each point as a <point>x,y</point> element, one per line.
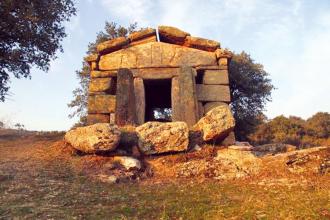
<point>290,38</point>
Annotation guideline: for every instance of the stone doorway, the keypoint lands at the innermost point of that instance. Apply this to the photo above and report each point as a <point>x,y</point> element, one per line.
<point>158,105</point>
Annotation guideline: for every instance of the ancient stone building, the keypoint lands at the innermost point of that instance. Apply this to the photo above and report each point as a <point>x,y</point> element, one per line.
<point>164,75</point>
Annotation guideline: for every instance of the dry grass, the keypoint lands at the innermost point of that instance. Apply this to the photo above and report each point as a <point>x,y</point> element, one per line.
<point>42,178</point>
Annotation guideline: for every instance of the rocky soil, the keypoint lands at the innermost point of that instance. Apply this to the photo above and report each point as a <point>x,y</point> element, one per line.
<point>43,177</point>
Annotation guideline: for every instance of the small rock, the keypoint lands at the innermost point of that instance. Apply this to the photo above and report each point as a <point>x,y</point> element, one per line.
<point>97,138</point>
<point>107,179</point>
<point>160,137</point>
<point>216,124</point>
<point>128,162</point>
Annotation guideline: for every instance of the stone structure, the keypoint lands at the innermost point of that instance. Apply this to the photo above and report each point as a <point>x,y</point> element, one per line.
<point>164,75</point>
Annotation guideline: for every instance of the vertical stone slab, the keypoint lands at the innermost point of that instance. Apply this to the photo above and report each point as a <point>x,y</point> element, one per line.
<point>188,99</point>
<point>125,99</point>
<point>140,100</point>
<point>175,99</point>
<point>200,110</point>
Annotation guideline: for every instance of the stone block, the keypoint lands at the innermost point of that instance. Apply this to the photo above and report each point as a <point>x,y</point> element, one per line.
<point>210,105</point>
<point>98,118</point>
<point>112,45</point>
<point>93,65</point>
<point>144,41</point>
<point>201,43</point>
<point>140,100</point>
<point>172,35</point>
<point>213,93</point>
<point>101,104</point>
<point>138,35</point>
<point>102,85</point>
<point>156,54</point>
<point>223,53</point>
<point>223,61</point>
<point>216,77</point>
<point>125,99</point>
<point>158,137</point>
<point>92,58</point>
<point>103,74</point>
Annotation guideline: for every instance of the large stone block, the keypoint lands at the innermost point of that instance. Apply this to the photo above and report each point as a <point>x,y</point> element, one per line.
<point>144,41</point>
<point>160,137</point>
<point>201,43</point>
<point>98,118</point>
<point>213,93</point>
<point>112,45</point>
<point>103,74</point>
<point>101,137</point>
<point>140,100</point>
<point>92,58</point>
<point>102,85</point>
<point>216,77</point>
<point>125,99</point>
<point>101,104</point>
<point>138,35</point>
<point>172,34</point>
<point>216,124</point>
<point>156,54</point>
<point>210,105</point>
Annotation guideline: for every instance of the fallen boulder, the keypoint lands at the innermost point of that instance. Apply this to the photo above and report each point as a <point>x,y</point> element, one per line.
<point>100,137</point>
<point>160,137</point>
<point>216,124</point>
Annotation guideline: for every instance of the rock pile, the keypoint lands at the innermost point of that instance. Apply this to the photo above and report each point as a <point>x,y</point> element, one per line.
<point>153,137</point>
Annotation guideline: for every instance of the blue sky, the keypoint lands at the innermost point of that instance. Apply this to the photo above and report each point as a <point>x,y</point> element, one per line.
<point>290,38</point>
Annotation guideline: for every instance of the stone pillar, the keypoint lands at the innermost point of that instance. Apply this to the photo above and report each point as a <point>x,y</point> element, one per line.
<point>175,99</point>
<point>184,99</point>
<point>140,100</point>
<point>125,99</point>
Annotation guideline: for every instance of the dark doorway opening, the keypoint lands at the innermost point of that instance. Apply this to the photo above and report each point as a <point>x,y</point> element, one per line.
<point>158,100</point>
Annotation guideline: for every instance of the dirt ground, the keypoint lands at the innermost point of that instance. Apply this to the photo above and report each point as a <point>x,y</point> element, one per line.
<point>43,178</point>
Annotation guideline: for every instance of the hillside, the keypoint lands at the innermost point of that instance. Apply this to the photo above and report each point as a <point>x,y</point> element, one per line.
<point>42,177</point>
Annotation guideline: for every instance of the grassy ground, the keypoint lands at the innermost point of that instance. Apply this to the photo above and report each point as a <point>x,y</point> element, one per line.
<point>37,183</point>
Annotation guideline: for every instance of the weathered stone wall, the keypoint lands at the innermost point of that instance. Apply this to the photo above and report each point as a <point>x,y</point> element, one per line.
<point>147,58</point>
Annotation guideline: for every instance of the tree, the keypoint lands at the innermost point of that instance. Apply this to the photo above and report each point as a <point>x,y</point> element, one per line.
<point>319,125</point>
<point>30,35</point>
<point>250,90</point>
<point>80,94</point>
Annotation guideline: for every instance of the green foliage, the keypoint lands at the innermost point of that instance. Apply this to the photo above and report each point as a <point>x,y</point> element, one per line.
<point>294,130</point>
<point>80,94</point>
<point>30,35</point>
<point>250,90</point>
